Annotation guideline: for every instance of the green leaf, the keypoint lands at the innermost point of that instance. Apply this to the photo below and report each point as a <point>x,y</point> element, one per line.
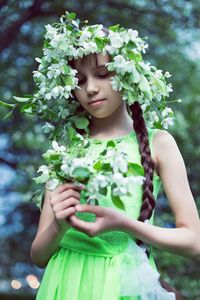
<point>27,108</point>
<point>117,202</point>
<point>103,191</point>
<point>71,16</point>
<point>106,167</point>
<point>81,123</point>
<point>21,99</point>
<point>114,27</point>
<point>98,165</point>
<point>81,173</point>
<point>111,144</point>
<point>71,133</point>
<point>54,158</point>
<point>135,169</point>
<point>100,43</point>
<point>7,104</point>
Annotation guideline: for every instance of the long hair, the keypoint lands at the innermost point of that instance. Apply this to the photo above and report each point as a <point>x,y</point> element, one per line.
<point>148,201</point>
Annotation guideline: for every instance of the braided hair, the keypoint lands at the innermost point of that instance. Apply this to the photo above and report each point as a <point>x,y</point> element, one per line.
<point>148,201</point>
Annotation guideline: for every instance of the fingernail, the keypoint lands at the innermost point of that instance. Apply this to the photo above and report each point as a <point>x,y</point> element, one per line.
<point>78,207</point>
<point>78,184</point>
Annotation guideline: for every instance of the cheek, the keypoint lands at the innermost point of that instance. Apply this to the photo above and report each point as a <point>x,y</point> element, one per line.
<point>78,94</point>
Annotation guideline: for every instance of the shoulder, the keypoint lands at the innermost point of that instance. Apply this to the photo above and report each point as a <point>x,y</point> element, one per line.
<point>162,139</point>
<point>164,146</point>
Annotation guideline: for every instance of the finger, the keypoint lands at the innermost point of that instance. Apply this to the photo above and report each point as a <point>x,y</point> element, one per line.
<point>65,204</point>
<point>81,225</point>
<point>65,195</point>
<point>62,215</point>
<point>69,194</point>
<point>89,208</point>
<point>66,186</point>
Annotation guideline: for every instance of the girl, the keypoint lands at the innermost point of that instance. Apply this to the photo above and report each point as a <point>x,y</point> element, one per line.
<point>100,259</point>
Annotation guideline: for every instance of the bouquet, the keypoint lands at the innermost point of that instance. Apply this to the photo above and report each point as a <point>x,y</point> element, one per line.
<point>76,164</point>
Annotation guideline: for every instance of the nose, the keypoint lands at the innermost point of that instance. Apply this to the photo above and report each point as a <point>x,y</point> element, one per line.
<point>92,86</point>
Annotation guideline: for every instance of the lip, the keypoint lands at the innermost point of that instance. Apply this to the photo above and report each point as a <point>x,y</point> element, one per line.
<point>96,100</point>
<point>97,103</point>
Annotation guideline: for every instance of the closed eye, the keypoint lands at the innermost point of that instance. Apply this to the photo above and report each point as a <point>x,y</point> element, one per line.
<point>82,81</point>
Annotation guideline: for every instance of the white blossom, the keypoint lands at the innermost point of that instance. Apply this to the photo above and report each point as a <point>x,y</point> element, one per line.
<point>115,39</point>
<point>167,122</point>
<point>116,83</point>
<point>167,111</point>
<point>52,184</point>
<point>44,169</point>
<point>58,148</point>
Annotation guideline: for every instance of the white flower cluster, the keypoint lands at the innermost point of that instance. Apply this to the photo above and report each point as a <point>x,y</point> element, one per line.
<point>134,78</point>
<point>82,170</point>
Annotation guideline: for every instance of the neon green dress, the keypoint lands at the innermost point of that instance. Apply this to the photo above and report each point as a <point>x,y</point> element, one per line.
<point>108,266</point>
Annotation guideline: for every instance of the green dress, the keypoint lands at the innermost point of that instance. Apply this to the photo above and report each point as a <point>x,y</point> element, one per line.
<point>89,268</point>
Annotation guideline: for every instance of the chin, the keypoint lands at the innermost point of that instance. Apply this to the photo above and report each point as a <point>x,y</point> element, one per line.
<point>100,115</point>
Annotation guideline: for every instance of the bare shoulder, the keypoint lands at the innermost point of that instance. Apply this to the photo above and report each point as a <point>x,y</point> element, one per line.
<point>164,147</point>
<point>163,141</point>
<point>162,138</point>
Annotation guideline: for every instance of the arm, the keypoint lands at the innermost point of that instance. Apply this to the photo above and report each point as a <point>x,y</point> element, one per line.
<point>185,238</point>
<point>58,205</point>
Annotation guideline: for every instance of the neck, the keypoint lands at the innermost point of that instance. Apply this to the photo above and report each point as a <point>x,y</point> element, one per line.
<point>118,123</point>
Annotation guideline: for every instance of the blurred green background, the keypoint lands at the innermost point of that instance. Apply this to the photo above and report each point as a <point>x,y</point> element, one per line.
<point>172,28</point>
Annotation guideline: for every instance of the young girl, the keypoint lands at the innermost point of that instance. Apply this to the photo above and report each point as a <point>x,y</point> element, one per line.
<point>100,259</point>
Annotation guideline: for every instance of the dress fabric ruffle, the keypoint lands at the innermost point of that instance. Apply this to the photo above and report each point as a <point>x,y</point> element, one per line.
<point>138,277</point>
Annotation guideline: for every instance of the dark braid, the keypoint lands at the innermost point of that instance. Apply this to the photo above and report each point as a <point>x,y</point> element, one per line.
<point>148,201</point>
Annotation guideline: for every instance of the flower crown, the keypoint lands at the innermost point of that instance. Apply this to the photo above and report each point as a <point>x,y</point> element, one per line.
<point>56,79</point>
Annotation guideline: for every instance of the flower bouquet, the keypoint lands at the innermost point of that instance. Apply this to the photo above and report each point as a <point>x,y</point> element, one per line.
<point>75,164</point>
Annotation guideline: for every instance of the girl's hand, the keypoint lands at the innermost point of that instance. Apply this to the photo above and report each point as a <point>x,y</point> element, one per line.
<point>63,200</point>
<point>107,219</point>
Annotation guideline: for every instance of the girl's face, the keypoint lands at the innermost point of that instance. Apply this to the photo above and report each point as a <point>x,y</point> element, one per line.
<point>94,83</point>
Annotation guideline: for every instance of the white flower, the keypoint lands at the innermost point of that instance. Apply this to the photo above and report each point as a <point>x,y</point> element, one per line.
<point>169,88</point>
<point>65,168</point>
<point>158,74</point>
<point>142,47</point>
<point>53,73</point>
<point>167,111</point>
<point>115,39</point>
<point>52,184</point>
<point>130,35</point>
<point>44,169</point>
<point>111,50</point>
<point>167,122</point>
<point>58,148</point>
<point>119,164</point>
<point>118,178</point>
<point>154,116</point>
<point>51,32</point>
<point>167,74</point>
<point>101,180</point>
<point>120,191</point>
<point>79,52</point>
<point>145,66</point>
<point>58,40</point>
<point>85,35</point>
<point>116,83</point>
<point>89,47</point>
<point>57,91</point>
<point>38,75</point>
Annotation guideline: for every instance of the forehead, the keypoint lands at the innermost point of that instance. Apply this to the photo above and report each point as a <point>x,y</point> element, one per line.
<point>91,61</point>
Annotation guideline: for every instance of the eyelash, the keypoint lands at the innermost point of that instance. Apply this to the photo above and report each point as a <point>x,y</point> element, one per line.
<point>100,76</point>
